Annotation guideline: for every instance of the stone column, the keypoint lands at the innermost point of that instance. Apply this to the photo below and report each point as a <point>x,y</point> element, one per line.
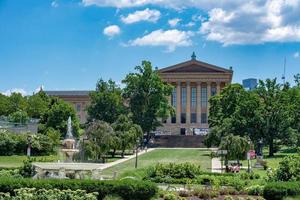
<point>169,118</point>
<point>199,102</point>
<point>208,96</point>
<point>188,102</point>
<point>178,102</point>
<point>218,88</point>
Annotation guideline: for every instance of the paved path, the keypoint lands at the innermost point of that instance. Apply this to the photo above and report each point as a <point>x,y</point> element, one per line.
<point>107,165</point>
<point>216,165</point>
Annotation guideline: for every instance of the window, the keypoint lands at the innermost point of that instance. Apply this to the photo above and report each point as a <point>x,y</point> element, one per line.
<point>203,118</point>
<point>194,97</point>
<point>183,98</point>
<point>193,118</point>
<point>182,131</point>
<point>203,96</point>
<point>173,97</point>
<point>213,90</point>
<point>173,119</point>
<point>78,107</point>
<point>183,118</point>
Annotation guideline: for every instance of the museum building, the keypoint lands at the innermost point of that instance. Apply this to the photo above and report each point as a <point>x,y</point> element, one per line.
<point>194,83</point>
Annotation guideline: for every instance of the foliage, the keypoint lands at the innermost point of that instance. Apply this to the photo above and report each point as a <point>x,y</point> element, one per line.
<point>20,117</point>
<point>38,104</point>
<point>279,190</point>
<point>16,103</point>
<point>236,112</point>
<point>4,105</point>
<point>288,170</point>
<point>147,95</point>
<point>236,146</point>
<point>255,190</point>
<point>172,170</point>
<point>55,194</point>
<point>112,197</point>
<point>100,137</point>
<point>106,102</point>
<point>126,189</point>
<point>57,115</point>
<point>27,170</point>
<point>11,143</point>
<point>10,173</point>
<point>126,133</point>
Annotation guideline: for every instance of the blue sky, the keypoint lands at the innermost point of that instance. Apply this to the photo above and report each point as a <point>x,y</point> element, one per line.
<point>70,44</point>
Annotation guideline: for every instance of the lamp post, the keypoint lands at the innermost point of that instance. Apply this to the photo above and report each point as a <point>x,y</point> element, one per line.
<point>136,152</point>
<point>29,141</point>
<point>248,155</point>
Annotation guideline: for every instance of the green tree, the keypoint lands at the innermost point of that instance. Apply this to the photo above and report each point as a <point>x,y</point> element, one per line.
<point>147,95</point>
<point>19,117</point>
<point>100,138</point>
<point>106,102</point>
<point>4,105</point>
<point>297,79</point>
<point>235,111</point>
<point>276,116</point>
<point>57,116</point>
<point>17,102</point>
<point>236,147</point>
<point>38,105</point>
<point>127,133</point>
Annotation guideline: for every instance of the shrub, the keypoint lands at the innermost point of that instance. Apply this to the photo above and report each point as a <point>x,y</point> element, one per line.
<point>255,190</point>
<point>172,170</point>
<point>228,198</point>
<point>288,170</point>
<point>112,197</point>
<point>27,170</point>
<point>279,190</point>
<point>34,194</point>
<point>10,173</point>
<point>126,189</point>
<point>170,196</point>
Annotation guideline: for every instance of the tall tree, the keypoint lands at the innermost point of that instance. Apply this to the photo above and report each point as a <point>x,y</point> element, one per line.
<point>100,138</point>
<point>147,95</point>
<point>4,105</point>
<point>17,102</point>
<point>297,79</point>
<point>57,115</point>
<point>37,105</point>
<point>275,116</point>
<point>106,102</point>
<point>235,111</point>
<point>127,133</point>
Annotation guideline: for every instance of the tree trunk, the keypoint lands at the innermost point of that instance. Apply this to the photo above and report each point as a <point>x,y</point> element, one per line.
<point>271,147</point>
<point>114,153</point>
<point>123,152</point>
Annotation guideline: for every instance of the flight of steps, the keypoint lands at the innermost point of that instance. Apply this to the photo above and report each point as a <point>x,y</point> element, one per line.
<point>184,141</point>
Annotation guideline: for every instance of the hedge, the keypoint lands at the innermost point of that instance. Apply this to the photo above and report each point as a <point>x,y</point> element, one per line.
<point>279,190</point>
<point>127,189</point>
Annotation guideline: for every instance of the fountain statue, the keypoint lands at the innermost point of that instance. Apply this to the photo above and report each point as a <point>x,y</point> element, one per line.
<point>69,143</point>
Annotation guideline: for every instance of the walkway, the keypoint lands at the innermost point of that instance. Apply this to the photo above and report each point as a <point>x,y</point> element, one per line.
<point>107,165</point>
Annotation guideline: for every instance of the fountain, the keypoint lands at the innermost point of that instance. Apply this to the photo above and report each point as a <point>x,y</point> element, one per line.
<point>69,143</point>
<point>63,170</point>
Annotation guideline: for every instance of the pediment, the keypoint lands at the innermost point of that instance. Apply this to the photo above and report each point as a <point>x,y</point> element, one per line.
<point>194,66</point>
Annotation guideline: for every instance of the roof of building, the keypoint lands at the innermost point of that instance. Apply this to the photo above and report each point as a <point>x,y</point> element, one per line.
<point>68,93</point>
<point>195,65</point>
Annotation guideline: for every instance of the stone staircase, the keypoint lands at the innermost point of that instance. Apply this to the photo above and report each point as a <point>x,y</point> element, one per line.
<point>183,141</point>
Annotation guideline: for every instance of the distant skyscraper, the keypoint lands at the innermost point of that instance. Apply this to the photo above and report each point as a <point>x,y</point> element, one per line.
<point>250,83</point>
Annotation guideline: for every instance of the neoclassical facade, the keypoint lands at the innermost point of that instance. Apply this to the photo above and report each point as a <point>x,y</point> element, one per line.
<point>194,83</point>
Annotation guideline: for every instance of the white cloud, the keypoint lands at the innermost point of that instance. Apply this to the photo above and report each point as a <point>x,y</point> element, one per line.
<point>174,22</point>
<point>112,30</point>
<point>15,90</point>
<point>54,4</point>
<point>297,54</point>
<point>142,15</point>
<point>233,21</point>
<point>169,38</point>
<point>254,22</point>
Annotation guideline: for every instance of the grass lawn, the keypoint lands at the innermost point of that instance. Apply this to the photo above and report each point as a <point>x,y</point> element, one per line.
<point>17,161</point>
<point>272,162</point>
<point>195,156</point>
